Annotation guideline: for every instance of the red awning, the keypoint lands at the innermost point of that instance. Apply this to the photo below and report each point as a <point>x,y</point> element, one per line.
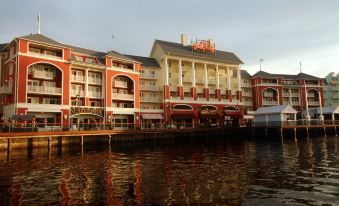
<point>152,116</point>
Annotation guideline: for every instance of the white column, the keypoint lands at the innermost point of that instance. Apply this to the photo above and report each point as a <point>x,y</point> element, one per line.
<point>86,84</point>
<point>166,71</point>
<point>193,74</point>
<point>321,116</point>
<point>239,79</point>
<point>180,73</point>
<point>228,79</point>
<point>217,73</point>
<point>206,75</point>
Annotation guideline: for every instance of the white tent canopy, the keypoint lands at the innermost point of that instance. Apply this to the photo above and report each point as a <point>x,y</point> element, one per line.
<point>281,109</point>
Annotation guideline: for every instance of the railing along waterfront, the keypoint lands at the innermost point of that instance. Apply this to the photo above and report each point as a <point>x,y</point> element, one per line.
<point>296,123</point>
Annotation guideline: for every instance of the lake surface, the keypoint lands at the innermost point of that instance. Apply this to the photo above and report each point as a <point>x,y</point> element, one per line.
<point>198,172</point>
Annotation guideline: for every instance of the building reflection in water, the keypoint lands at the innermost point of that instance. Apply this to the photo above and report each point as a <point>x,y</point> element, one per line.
<point>205,173</point>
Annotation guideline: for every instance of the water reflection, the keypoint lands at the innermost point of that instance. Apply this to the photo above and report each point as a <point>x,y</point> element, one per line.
<point>244,172</point>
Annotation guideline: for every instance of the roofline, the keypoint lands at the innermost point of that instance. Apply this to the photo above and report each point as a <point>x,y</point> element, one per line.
<point>123,59</point>
<point>230,62</point>
<point>55,45</point>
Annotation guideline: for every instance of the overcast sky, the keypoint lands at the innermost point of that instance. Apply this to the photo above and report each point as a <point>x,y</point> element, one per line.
<point>281,32</point>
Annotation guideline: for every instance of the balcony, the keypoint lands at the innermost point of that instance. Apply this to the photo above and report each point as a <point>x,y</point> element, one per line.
<point>77,92</point>
<point>148,76</point>
<point>118,83</point>
<point>44,90</point>
<point>313,103</point>
<point>93,94</point>
<point>149,88</point>
<point>247,94</point>
<point>43,74</point>
<point>77,78</point>
<point>150,99</point>
<point>269,103</point>
<point>92,80</point>
<point>121,96</point>
<point>44,55</point>
<point>186,80</point>
<point>212,81</point>
<point>5,90</point>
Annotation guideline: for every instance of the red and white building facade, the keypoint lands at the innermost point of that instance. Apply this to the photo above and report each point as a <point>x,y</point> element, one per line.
<point>67,86</point>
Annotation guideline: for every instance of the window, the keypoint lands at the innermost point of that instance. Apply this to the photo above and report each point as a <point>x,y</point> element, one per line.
<point>80,59</point>
<point>33,100</point>
<point>34,50</point>
<point>152,84</point>
<point>91,61</point>
<point>10,69</point>
<point>49,84</point>
<point>11,52</point>
<point>50,53</point>
<point>50,101</point>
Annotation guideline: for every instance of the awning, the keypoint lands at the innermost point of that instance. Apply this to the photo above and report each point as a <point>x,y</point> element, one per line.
<point>27,117</point>
<point>152,116</point>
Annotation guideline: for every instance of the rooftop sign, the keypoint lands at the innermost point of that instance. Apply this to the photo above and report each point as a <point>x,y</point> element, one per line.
<point>203,46</point>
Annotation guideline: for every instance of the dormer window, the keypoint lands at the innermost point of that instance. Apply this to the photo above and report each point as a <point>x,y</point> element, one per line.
<point>80,59</point>
<point>34,50</point>
<point>91,61</point>
<point>50,53</point>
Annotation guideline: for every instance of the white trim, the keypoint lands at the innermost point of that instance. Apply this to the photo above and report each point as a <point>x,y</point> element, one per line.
<point>43,107</point>
<point>44,57</point>
<point>126,111</point>
<point>122,70</point>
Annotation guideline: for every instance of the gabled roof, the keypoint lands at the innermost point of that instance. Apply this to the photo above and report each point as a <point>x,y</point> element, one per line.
<point>178,49</point>
<point>286,76</point>
<point>2,46</point>
<point>117,55</point>
<point>326,110</point>
<point>245,74</point>
<point>42,38</point>
<point>285,109</point>
<point>145,61</point>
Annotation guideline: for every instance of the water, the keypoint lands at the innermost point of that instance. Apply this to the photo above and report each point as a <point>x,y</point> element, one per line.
<point>205,172</point>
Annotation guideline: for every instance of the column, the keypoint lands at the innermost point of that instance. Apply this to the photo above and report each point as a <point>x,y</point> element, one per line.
<point>206,75</point>
<point>228,79</point>
<point>239,79</point>
<point>193,74</point>
<point>217,74</point>
<point>166,71</point>
<point>86,98</point>
<point>180,73</point>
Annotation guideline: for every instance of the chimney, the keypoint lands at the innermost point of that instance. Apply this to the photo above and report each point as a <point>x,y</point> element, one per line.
<point>184,39</point>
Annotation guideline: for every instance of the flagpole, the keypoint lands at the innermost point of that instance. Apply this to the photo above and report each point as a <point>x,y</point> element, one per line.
<point>39,24</point>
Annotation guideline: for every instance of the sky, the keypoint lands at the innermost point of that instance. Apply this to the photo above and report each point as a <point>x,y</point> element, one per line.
<point>281,32</point>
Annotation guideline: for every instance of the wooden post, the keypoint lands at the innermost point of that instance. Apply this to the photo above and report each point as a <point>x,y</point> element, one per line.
<point>325,131</point>
<point>82,140</point>
<point>295,133</point>
<point>281,133</point>
<point>335,129</point>
<point>49,144</point>
<point>307,131</point>
<point>266,132</point>
<point>9,144</point>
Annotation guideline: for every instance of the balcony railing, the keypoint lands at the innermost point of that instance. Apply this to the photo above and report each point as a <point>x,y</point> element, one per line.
<point>78,92</point>
<point>149,76</point>
<point>270,103</point>
<point>77,78</point>
<point>44,55</point>
<point>118,83</point>
<point>44,90</point>
<point>5,90</point>
<point>151,88</point>
<point>92,80</point>
<point>43,74</point>
<point>93,94</point>
<point>313,103</point>
<point>150,99</point>
<point>129,97</point>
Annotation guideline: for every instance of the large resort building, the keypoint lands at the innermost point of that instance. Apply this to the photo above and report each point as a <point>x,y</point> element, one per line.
<point>181,85</point>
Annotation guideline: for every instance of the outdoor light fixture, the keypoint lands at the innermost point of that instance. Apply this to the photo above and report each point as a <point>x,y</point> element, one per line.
<point>65,116</point>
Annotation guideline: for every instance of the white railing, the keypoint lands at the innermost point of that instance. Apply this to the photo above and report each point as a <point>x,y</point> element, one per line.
<point>248,103</point>
<point>78,92</point>
<point>211,81</point>
<point>77,78</point>
<point>247,94</point>
<point>94,94</point>
<point>122,96</point>
<point>199,81</point>
<point>149,76</point>
<point>43,55</point>
<point>187,80</point>
<point>313,103</point>
<point>270,103</point>
<point>5,90</point>
<point>152,88</point>
<point>94,80</point>
<point>201,99</point>
<point>175,98</point>
<point>118,83</point>
<point>150,99</point>
<point>312,85</point>
<point>44,90</point>
<point>43,74</point>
